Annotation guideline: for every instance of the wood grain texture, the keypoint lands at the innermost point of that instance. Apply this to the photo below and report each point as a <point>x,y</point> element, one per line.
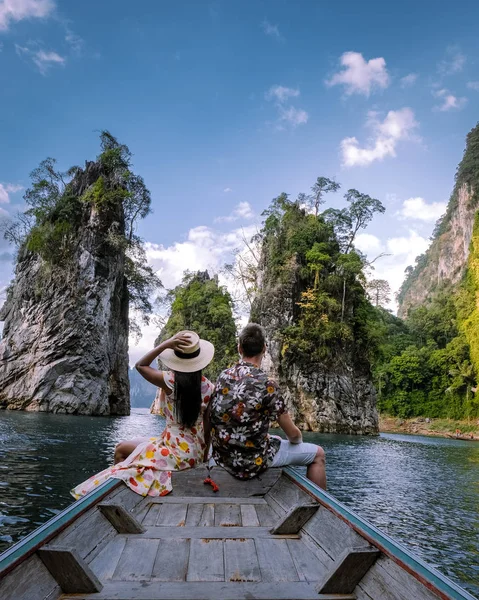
<point>249,517</point>
<point>193,514</point>
<point>137,560</point>
<point>171,563</point>
<point>105,563</point>
<point>227,515</point>
<point>171,499</point>
<point>172,515</point>
<point>266,516</point>
<point>206,562</point>
<point>70,571</point>
<point>241,561</point>
<point>207,516</point>
<point>211,590</point>
<point>214,533</point>
<point>348,570</point>
<point>306,561</point>
<point>120,518</point>
<point>29,580</point>
<point>151,515</point>
<point>275,560</point>
<point>295,518</point>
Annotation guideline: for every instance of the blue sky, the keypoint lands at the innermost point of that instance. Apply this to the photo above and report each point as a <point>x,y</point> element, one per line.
<point>226,104</point>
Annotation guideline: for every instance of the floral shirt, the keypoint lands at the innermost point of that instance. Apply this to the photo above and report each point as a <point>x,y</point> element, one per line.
<point>244,403</point>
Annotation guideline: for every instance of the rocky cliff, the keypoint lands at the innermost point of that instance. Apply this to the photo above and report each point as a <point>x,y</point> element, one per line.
<point>65,338</point>
<point>445,261</point>
<point>321,397</point>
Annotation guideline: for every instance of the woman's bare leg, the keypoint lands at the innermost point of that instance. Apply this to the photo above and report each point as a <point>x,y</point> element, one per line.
<point>124,449</point>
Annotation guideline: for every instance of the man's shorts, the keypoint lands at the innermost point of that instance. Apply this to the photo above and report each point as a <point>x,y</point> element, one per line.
<point>294,454</point>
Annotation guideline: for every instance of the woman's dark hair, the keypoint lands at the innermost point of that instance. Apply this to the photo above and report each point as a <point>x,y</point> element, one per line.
<point>187,397</point>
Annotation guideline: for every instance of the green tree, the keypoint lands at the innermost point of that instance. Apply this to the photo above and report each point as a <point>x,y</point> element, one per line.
<point>200,304</point>
<point>322,186</point>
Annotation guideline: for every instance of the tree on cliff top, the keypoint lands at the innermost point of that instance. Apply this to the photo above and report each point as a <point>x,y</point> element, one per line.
<point>59,202</point>
<point>331,313</point>
<point>200,304</point>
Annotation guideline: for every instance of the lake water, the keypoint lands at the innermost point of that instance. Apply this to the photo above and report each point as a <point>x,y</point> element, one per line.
<point>423,491</point>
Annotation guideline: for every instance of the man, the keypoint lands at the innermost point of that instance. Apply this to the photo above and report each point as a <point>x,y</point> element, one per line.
<point>245,402</point>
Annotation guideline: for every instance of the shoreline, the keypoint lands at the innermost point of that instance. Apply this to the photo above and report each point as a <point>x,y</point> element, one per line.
<point>446,428</point>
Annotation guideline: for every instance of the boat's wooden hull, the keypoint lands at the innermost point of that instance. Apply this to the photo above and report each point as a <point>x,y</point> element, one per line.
<point>276,537</point>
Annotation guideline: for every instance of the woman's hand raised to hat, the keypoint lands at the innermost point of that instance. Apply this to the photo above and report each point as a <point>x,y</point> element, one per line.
<point>178,342</point>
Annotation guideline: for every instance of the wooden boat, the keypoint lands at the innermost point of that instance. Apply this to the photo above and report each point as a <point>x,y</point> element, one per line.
<point>275,537</point>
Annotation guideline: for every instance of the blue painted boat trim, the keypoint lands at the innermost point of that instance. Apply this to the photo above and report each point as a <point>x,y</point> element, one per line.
<point>427,575</point>
<point>29,544</point>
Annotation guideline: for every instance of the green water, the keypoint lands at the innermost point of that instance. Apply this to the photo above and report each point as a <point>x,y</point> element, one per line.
<point>422,491</point>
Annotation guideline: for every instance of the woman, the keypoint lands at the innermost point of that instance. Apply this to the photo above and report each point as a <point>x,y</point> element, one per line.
<point>145,464</point>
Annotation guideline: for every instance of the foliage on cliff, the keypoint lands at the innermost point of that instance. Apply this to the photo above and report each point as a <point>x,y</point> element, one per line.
<point>200,304</point>
<point>332,319</point>
<point>432,369</point>
<point>60,205</point>
<point>425,366</point>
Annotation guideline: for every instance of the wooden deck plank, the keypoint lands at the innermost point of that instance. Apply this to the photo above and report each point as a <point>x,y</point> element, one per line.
<point>105,563</point>
<point>155,590</point>
<point>151,515</point>
<point>287,494</point>
<point>207,516</point>
<point>348,570</point>
<point>172,499</point>
<point>137,560</point>
<point>190,483</point>
<point>206,562</point>
<point>120,518</point>
<point>28,580</point>
<point>227,515</point>
<point>241,561</point>
<point>266,516</point>
<point>88,535</point>
<point>333,534</point>
<point>71,572</point>
<point>171,563</point>
<point>275,560</point>
<point>307,563</point>
<point>249,517</point>
<point>214,533</point>
<point>193,515</point>
<point>295,518</point>
<point>172,515</point>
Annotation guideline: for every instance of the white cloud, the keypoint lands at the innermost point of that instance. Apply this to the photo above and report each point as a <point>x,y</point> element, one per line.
<point>448,101</point>
<point>366,242</point>
<point>42,58</point>
<point>400,253</point>
<point>7,189</point>
<point>398,126</point>
<point>418,209</point>
<point>281,93</point>
<point>227,190</point>
<point>473,85</point>
<point>74,41</point>
<point>453,63</point>
<point>12,11</point>
<point>408,80</point>
<point>360,76</point>
<point>242,210</point>
<point>287,114</point>
<point>293,116</point>
<point>271,30</point>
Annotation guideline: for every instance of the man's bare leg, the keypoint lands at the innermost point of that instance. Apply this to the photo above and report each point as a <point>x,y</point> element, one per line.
<point>317,469</point>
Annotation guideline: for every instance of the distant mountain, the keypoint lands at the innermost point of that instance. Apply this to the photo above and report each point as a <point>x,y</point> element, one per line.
<point>142,393</point>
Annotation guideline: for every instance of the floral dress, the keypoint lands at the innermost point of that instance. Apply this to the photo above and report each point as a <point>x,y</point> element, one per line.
<point>147,471</point>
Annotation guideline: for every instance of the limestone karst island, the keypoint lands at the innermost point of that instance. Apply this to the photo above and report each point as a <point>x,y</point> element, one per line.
<point>239,300</point>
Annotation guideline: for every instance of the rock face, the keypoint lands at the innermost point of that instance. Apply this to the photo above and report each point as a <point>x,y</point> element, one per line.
<point>446,259</point>
<point>65,336</point>
<point>445,262</point>
<point>321,398</point>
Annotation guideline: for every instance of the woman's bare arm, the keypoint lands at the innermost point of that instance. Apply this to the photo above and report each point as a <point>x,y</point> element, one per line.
<point>207,430</point>
<point>153,375</point>
<point>292,432</point>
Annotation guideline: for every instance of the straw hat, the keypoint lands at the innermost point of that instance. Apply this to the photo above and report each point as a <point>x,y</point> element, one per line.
<point>193,357</point>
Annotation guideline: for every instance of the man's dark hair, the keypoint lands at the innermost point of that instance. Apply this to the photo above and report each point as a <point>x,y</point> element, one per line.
<point>252,340</point>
